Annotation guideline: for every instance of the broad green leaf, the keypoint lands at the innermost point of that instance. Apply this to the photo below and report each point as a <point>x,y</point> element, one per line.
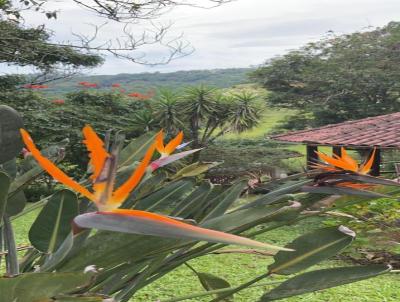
<point>81,299</point>
<point>16,203</point>
<point>70,247</point>
<point>193,201</point>
<point>10,167</point>
<point>53,223</point>
<point>195,169</point>
<point>4,186</point>
<point>247,217</point>
<point>276,195</point>
<point>311,249</point>
<point>23,180</point>
<point>230,196</point>
<point>212,282</point>
<point>145,188</point>
<point>109,249</point>
<point>39,287</point>
<point>322,279</point>
<point>168,196</point>
<point>10,139</point>
<point>366,179</point>
<point>145,223</point>
<point>136,149</point>
<point>332,190</point>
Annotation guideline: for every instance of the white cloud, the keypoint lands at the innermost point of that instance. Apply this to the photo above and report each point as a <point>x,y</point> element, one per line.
<point>238,34</point>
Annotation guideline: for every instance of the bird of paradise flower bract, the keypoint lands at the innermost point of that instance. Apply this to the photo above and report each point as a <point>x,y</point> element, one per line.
<point>344,162</point>
<point>108,199</point>
<point>104,171</point>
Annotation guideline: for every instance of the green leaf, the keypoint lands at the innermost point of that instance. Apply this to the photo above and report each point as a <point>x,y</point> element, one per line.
<point>311,249</point>
<point>39,287</point>
<point>167,196</point>
<point>193,201</point>
<point>322,279</point>
<point>247,217</point>
<point>53,223</point>
<point>276,195</point>
<point>16,203</point>
<point>136,149</point>
<point>10,167</point>
<point>4,186</point>
<point>332,190</point>
<point>81,299</point>
<point>10,138</point>
<point>195,169</point>
<point>212,282</point>
<point>229,197</point>
<point>22,181</point>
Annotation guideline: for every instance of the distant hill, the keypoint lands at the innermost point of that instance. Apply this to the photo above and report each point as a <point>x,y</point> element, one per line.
<point>221,78</point>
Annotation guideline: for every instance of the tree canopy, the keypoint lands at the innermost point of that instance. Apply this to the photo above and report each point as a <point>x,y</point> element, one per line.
<point>338,78</point>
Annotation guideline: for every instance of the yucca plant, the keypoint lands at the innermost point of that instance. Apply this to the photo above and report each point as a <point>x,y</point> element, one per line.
<point>106,244</point>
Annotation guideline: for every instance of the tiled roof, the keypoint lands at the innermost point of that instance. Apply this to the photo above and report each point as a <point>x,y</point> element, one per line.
<point>381,131</point>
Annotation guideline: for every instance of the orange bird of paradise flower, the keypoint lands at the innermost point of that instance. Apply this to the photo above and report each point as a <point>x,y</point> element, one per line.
<point>108,199</point>
<point>166,150</point>
<point>344,162</point>
<point>104,166</point>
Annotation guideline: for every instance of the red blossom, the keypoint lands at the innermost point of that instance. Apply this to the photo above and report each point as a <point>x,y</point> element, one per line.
<point>58,102</point>
<point>88,84</point>
<point>32,86</point>
<point>116,85</point>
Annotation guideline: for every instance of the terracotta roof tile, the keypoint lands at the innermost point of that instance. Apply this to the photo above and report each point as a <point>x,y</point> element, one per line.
<point>381,131</point>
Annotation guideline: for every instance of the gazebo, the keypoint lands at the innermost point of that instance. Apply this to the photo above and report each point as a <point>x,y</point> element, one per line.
<point>380,132</point>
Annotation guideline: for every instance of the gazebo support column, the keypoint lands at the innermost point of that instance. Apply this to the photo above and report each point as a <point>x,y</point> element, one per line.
<point>312,156</point>
<point>337,151</point>
<point>375,169</point>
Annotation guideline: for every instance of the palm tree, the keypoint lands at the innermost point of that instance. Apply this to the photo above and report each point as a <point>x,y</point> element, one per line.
<point>246,111</point>
<point>167,111</point>
<point>198,103</point>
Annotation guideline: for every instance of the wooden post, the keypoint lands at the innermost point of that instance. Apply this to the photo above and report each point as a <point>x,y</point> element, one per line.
<point>376,166</point>
<point>312,156</point>
<point>337,151</point>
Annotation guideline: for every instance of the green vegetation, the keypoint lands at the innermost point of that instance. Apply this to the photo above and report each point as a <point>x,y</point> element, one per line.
<point>142,82</point>
<point>338,78</point>
<point>238,268</point>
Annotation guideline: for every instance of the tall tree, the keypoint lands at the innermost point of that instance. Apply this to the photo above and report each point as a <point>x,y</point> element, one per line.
<point>338,78</point>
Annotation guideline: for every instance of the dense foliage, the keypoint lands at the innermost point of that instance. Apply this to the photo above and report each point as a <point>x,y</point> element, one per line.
<point>203,112</point>
<point>220,78</point>
<point>135,245</point>
<point>338,78</point>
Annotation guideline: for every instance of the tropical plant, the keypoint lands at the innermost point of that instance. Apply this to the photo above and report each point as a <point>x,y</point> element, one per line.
<point>143,234</point>
<point>203,112</point>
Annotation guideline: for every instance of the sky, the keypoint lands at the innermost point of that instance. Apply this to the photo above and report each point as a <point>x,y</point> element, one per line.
<point>242,33</point>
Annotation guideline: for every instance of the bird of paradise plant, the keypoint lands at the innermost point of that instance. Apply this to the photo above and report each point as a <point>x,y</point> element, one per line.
<point>108,199</point>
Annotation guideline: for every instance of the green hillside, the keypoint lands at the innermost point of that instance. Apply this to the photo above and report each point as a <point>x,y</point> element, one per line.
<point>221,78</point>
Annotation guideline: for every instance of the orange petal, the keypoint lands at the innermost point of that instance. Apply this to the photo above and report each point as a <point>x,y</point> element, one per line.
<point>123,191</point>
<point>336,162</point>
<point>97,153</point>
<point>51,168</point>
<point>366,167</point>
<point>347,158</point>
<point>175,142</point>
<point>160,142</point>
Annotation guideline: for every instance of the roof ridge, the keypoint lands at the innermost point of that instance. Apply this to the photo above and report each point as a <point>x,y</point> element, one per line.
<point>334,125</point>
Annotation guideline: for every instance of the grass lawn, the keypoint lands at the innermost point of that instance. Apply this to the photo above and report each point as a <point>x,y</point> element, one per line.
<point>240,268</point>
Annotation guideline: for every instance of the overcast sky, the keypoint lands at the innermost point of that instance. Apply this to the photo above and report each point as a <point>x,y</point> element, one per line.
<point>237,34</point>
